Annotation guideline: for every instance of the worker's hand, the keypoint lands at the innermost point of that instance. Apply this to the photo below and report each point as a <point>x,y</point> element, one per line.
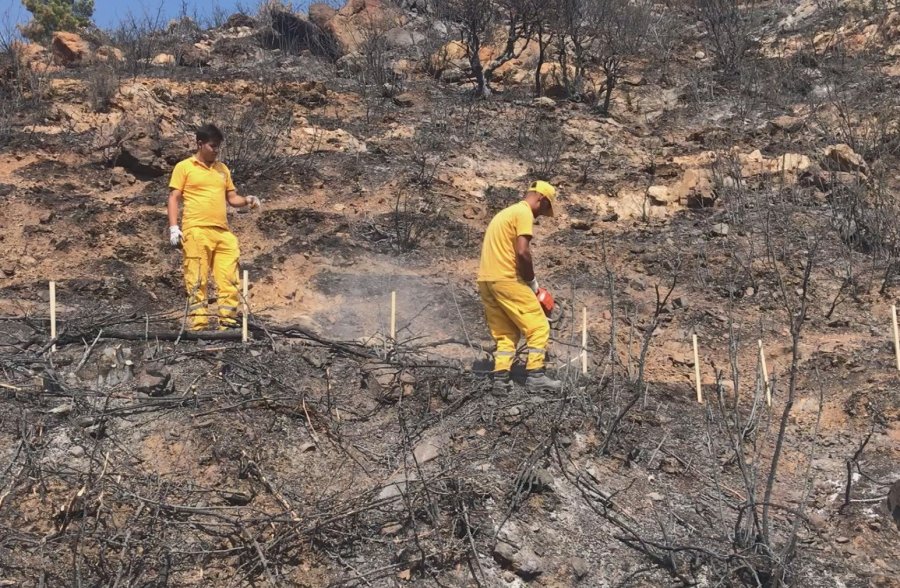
<point>175,235</point>
<point>533,285</point>
<point>253,201</point>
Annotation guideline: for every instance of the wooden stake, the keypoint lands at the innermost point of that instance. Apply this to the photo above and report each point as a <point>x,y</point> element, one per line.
<point>245,335</point>
<point>584,358</point>
<point>896,334</point>
<point>697,370</point>
<point>765,373</point>
<point>53,313</point>
<point>393,316</point>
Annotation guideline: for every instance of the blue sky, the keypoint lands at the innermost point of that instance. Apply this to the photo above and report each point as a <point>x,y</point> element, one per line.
<point>108,13</point>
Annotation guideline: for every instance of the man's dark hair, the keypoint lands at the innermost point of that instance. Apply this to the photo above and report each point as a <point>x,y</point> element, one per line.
<point>209,132</point>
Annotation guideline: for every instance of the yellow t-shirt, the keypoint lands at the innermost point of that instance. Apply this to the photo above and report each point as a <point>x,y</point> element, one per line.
<point>498,253</point>
<point>203,189</point>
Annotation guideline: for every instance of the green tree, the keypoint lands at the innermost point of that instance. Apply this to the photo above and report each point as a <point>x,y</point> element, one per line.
<point>49,16</point>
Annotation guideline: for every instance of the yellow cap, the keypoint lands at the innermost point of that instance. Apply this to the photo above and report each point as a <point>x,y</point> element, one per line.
<point>546,190</point>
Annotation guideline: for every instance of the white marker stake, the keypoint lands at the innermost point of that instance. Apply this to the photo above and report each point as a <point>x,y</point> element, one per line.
<point>896,334</point>
<point>245,336</point>
<point>765,373</point>
<point>393,316</point>
<point>584,358</point>
<point>697,370</point>
<point>53,313</point>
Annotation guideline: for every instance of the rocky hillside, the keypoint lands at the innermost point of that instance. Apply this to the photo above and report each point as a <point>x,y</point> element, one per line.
<point>725,171</point>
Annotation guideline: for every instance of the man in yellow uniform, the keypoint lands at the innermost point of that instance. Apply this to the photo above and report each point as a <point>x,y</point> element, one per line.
<point>205,186</point>
<point>507,286</point>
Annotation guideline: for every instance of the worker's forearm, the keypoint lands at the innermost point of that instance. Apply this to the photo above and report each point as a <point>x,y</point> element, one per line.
<point>173,210</point>
<point>525,267</point>
<point>236,200</point>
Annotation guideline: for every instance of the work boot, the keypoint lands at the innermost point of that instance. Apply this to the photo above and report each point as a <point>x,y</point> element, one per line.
<point>538,381</point>
<point>502,383</point>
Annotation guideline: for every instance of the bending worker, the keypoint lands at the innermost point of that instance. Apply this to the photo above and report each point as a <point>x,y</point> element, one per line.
<point>508,289</point>
<point>205,186</point>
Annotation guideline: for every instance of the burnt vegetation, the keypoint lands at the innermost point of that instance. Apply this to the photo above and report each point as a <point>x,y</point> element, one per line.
<point>132,454</point>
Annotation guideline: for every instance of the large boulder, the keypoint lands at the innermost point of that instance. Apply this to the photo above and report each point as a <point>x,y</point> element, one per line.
<point>842,157</point>
<point>31,56</point>
<point>193,55</point>
<point>358,20</point>
<point>109,54</point>
<point>141,149</point>
<point>69,48</point>
<point>292,32</point>
<point>321,15</point>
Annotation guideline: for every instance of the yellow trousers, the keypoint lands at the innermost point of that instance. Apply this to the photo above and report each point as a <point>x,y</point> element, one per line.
<point>212,248</point>
<point>511,309</point>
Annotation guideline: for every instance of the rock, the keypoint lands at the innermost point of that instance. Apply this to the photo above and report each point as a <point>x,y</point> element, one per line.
<point>30,55</point>
<point>404,100</point>
<point>141,152</point>
<point>452,75</point>
<point>62,409</point>
<point>893,502</point>
<point>348,27</point>
<point>401,38</point>
<point>523,562</point>
<point>544,102</point>
<point>788,124</point>
<point>351,63</point>
<point>660,195</point>
<point>119,176</point>
<point>694,189</point>
<point>699,55</point>
<point>193,56</point>
<point>580,567</point>
<point>69,48</point>
<point>239,19</point>
<point>755,164</point>
<point>842,539</point>
<point>428,449</point>
<point>387,382</point>
<point>293,33</point>
<point>610,217</point>
<point>581,224</point>
<point>321,14</point>
<point>719,230</point>
<point>396,486</point>
<point>9,271</point>
<point>163,60</point>
<point>817,521</point>
<point>552,79</point>
<point>76,451</point>
<point>841,157</point>
<point>236,497</point>
<point>391,529</point>
<point>109,54</point>
<point>656,497</point>
<point>670,465</point>
<point>154,381</point>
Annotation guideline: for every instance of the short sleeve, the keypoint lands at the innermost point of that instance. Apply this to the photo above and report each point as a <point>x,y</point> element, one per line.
<point>229,185</point>
<point>524,221</point>
<point>179,176</point>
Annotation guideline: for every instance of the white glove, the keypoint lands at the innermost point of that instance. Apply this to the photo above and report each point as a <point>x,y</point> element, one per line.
<point>253,201</point>
<point>533,285</point>
<point>175,235</point>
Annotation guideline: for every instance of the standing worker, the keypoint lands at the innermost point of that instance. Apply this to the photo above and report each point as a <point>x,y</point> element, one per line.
<point>205,186</point>
<point>508,289</point>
